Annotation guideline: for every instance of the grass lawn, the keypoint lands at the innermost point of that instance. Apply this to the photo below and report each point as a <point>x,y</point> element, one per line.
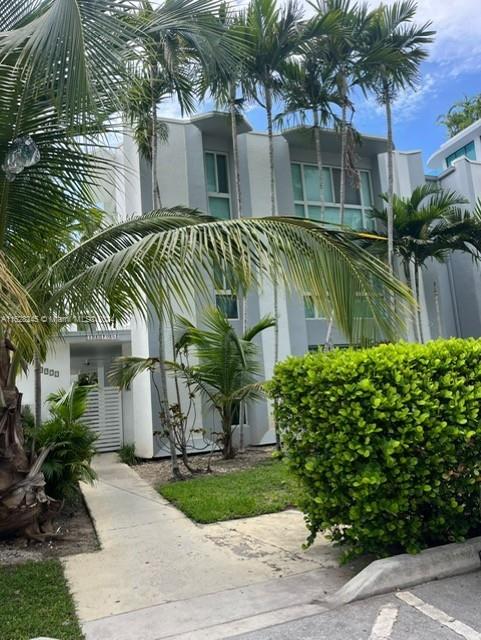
<point>35,601</point>
<point>266,488</point>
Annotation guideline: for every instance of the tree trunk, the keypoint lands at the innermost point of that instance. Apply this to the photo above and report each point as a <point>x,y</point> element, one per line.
<point>156,200</point>
<point>164,402</point>
<point>228,451</point>
<point>317,141</point>
<point>238,197</point>
<point>37,366</point>
<point>274,213</point>
<point>418,300</point>
<point>156,203</point>
<point>412,286</point>
<point>342,188</point>
<point>390,179</point>
<point>24,507</point>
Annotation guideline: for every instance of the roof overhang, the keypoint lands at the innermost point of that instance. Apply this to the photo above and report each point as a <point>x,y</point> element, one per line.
<point>331,140</point>
<point>219,122</point>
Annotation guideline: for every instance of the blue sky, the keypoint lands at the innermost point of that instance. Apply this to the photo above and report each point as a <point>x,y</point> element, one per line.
<point>452,71</point>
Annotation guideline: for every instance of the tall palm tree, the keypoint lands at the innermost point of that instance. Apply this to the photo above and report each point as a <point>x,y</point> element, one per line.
<point>308,89</point>
<point>431,224</point>
<point>393,26</point>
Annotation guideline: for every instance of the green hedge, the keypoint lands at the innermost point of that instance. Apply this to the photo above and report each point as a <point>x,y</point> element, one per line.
<point>387,442</point>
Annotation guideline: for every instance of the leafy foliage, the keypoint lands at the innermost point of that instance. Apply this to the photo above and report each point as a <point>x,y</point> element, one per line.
<point>127,455</point>
<point>462,114</point>
<point>71,442</point>
<point>387,442</point>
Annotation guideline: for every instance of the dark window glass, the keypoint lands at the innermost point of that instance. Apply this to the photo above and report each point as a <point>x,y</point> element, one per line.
<point>222,174</point>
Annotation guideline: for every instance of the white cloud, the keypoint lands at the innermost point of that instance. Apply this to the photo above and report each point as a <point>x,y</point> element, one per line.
<point>457,47</point>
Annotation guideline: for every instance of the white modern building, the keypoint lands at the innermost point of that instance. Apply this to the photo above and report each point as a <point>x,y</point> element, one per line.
<point>196,170</point>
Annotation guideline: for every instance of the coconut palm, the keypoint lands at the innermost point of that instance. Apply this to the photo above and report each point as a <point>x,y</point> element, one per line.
<point>431,224</point>
<point>393,26</point>
<point>228,370</point>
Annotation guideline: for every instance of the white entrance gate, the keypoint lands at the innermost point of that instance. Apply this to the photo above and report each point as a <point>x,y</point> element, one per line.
<point>104,417</point>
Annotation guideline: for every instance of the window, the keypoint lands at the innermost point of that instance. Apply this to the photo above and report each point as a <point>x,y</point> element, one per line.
<point>225,298</point>
<point>217,178</point>
<point>311,312</point>
<point>467,151</point>
<point>307,201</point>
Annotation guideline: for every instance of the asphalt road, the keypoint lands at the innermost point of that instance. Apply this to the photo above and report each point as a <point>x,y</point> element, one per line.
<point>441,610</point>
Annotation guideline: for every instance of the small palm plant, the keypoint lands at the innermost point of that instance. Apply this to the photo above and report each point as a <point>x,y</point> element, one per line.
<point>70,443</point>
<point>228,369</point>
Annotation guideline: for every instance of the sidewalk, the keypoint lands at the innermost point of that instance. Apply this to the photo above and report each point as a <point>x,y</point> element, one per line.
<point>159,575</point>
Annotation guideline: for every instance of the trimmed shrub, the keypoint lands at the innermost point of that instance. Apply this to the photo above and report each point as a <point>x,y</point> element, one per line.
<point>386,441</point>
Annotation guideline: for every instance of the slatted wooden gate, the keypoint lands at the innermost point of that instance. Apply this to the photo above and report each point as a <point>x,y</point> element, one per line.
<point>104,416</point>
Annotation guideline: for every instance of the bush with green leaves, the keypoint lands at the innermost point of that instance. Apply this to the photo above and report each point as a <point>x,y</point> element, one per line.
<point>386,441</point>
<point>70,441</point>
<point>127,455</point>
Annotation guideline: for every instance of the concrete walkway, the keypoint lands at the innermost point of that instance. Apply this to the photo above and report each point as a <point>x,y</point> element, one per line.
<point>159,575</point>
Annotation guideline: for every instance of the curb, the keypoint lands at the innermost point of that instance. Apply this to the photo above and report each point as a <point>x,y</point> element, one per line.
<point>405,570</point>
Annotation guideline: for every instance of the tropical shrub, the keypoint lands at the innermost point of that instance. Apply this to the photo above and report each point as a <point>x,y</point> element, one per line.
<point>70,443</point>
<point>127,455</point>
<point>386,441</point>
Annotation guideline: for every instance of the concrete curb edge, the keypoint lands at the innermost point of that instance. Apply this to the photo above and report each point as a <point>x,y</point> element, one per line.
<point>402,571</point>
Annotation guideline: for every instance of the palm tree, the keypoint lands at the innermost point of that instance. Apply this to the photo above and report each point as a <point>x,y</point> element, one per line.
<point>392,26</point>
<point>308,88</point>
<point>60,94</point>
<point>431,224</point>
<point>227,372</point>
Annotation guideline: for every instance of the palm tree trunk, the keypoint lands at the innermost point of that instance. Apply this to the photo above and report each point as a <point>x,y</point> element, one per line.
<point>238,197</point>
<point>317,141</point>
<point>24,507</point>
<point>342,188</point>
<point>412,286</point>
<point>164,401</point>
<point>37,367</point>
<point>156,200</point>
<point>227,449</point>
<point>390,179</point>
<point>268,93</point>
<point>156,203</point>
<point>418,300</point>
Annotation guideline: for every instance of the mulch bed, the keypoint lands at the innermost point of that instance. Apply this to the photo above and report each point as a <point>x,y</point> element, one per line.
<point>76,535</point>
<point>158,472</point>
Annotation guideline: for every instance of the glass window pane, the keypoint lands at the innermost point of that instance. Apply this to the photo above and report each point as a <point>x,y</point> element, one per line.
<point>314,213</point>
<point>369,222</point>
<point>309,309</point>
<point>327,185</point>
<point>297,181</point>
<point>471,151</point>
<point>227,303</point>
<point>336,176</point>
<point>210,172</point>
<point>366,189</point>
<point>312,182</point>
<point>353,218</point>
<point>222,178</point>
<point>353,194</point>
<point>300,210</point>
<point>219,207</point>
<point>331,214</point>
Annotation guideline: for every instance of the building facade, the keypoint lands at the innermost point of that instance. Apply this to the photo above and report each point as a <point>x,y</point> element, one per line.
<point>196,171</point>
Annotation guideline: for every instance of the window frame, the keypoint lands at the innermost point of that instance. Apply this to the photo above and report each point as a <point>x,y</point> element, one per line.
<point>363,208</point>
<point>462,152</point>
<point>218,194</point>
